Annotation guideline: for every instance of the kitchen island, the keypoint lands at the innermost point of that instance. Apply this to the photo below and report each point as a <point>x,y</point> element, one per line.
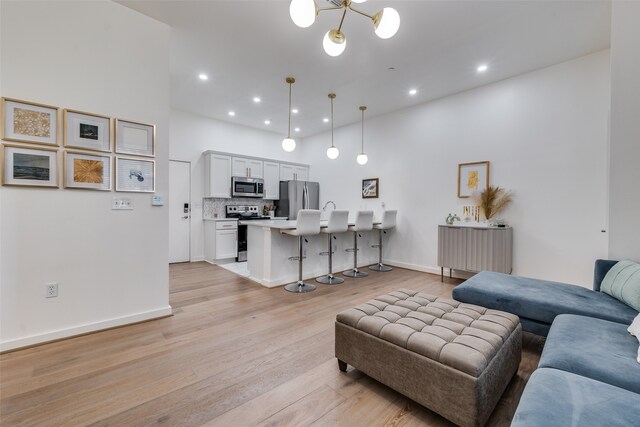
<point>268,252</point>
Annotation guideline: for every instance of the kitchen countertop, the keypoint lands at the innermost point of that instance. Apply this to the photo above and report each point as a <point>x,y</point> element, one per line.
<point>219,219</point>
<point>284,225</point>
<point>277,218</point>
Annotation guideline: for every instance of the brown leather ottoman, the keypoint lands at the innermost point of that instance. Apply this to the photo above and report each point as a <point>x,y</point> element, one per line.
<point>456,359</point>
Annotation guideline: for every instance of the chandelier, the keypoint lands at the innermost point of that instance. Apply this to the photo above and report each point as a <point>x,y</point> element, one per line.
<point>303,13</point>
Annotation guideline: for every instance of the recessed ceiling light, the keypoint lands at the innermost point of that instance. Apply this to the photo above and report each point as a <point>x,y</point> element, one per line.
<point>256,99</point>
<point>326,120</point>
<point>297,129</point>
<point>294,111</point>
<point>482,68</point>
<point>232,113</point>
<point>267,122</point>
<point>413,92</point>
<point>203,76</point>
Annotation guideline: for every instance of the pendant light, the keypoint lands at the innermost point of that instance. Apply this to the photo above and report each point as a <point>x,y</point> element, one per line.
<point>362,158</point>
<point>332,152</point>
<point>288,144</point>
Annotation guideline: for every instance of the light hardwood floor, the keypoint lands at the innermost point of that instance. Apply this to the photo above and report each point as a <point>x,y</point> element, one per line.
<point>233,354</point>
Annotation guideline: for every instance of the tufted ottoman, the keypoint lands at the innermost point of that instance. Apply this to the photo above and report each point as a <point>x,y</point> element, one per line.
<point>456,359</point>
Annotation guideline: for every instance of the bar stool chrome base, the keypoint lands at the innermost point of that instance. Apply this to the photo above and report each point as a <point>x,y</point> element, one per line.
<point>380,267</point>
<point>299,287</point>
<point>329,279</point>
<point>355,273</point>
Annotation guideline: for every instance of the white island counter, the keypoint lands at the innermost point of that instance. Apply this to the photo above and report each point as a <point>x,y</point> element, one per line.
<point>268,252</point>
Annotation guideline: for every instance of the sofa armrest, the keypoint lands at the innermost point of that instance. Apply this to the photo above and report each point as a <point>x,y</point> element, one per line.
<point>601,269</point>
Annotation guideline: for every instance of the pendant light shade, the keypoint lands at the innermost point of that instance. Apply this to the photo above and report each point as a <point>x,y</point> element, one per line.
<point>334,43</point>
<point>386,22</point>
<point>289,144</point>
<point>332,152</point>
<point>303,12</point>
<point>362,158</point>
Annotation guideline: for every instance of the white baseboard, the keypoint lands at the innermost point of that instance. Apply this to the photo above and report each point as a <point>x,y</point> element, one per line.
<point>83,329</point>
<point>428,269</point>
<point>197,259</point>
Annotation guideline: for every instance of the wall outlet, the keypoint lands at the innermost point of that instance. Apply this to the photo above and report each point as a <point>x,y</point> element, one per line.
<point>121,204</point>
<point>51,290</point>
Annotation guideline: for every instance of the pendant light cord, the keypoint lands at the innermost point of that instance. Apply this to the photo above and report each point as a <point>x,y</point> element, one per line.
<point>331,121</point>
<point>289,131</point>
<point>362,146</point>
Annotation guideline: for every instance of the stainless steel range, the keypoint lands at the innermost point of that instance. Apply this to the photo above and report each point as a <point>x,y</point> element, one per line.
<point>243,213</point>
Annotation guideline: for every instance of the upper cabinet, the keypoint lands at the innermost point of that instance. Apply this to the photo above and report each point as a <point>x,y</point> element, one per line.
<point>249,168</point>
<point>293,172</point>
<point>271,181</point>
<point>217,176</point>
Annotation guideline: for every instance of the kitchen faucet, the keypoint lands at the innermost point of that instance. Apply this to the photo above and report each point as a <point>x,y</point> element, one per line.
<point>327,204</point>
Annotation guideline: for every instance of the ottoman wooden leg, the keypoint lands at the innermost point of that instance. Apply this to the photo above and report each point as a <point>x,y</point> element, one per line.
<point>342,365</point>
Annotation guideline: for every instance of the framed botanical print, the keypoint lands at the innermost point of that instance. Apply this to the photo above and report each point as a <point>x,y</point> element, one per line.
<point>472,178</point>
<point>135,175</point>
<point>87,171</point>
<point>30,167</point>
<point>370,188</point>
<point>135,138</point>
<point>29,122</point>
<point>86,131</point>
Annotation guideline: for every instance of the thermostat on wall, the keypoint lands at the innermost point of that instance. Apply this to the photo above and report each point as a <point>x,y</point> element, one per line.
<point>157,201</point>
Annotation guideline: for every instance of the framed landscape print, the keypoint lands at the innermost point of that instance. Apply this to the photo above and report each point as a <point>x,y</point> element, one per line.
<point>135,175</point>
<point>31,167</point>
<point>370,188</point>
<point>86,131</point>
<point>87,171</point>
<point>135,138</point>
<point>472,178</point>
<point>29,122</point>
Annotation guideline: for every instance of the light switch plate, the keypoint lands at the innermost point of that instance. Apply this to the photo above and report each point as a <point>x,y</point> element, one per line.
<point>121,204</point>
<point>157,200</point>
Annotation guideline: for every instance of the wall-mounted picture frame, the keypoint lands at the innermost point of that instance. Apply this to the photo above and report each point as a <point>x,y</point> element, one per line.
<point>29,167</point>
<point>472,178</point>
<point>135,175</point>
<point>87,171</point>
<point>135,138</point>
<point>370,188</point>
<point>86,131</point>
<point>29,122</point>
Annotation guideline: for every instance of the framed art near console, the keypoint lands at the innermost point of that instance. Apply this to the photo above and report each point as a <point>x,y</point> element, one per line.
<point>86,131</point>
<point>370,188</point>
<point>29,122</point>
<point>136,175</point>
<point>30,167</point>
<point>87,171</point>
<point>135,138</point>
<point>472,178</point>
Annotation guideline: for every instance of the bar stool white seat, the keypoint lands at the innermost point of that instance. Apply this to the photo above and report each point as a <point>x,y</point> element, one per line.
<point>364,222</point>
<point>307,224</point>
<point>388,222</point>
<point>338,223</point>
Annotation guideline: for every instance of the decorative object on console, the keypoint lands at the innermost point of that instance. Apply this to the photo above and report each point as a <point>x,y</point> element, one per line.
<point>471,212</point>
<point>87,171</point>
<point>29,122</point>
<point>133,138</point>
<point>86,131</point>
<point>472,178</point>
<point>493,200</point>
<point>30,167</point>
<point>452,218</point>
<point>370,188</point>
<point>135,175</point>
<point>362,158</point>
<point>332,152</point>
<point>303,13</point>
<point>289,144</point>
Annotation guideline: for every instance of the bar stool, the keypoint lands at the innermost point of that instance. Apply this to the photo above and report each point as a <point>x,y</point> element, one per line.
<point>364,222</point>
<point>307,224</point>
<point>338,223</point>
<point>388,222</point>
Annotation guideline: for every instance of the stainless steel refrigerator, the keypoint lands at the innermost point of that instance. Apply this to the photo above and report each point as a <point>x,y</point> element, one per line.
<point>296,195</point>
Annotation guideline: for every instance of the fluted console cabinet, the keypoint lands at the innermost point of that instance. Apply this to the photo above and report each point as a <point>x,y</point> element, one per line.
<point>475,248</point>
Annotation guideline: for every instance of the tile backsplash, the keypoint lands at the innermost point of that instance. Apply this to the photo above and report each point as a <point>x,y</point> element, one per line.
<point>214,207</point>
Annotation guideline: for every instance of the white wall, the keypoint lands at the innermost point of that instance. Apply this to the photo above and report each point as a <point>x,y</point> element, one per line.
<point>545,134</point>
<point>191,135</point>
<point>111,266</point>
<point>624,208</point>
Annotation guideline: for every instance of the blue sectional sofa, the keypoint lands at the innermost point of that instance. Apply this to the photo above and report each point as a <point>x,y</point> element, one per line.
<point>588,374</point>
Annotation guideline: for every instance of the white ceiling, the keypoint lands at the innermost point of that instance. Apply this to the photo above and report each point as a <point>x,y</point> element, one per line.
<point>248,48</point>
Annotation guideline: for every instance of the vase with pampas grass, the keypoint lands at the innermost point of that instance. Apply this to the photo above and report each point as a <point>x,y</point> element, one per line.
<point>493,200</point>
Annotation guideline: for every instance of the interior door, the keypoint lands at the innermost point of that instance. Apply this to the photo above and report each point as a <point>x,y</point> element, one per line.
<point>179,211</point>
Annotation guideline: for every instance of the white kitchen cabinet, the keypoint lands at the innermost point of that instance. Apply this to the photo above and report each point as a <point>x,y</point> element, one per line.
<point>217,176</point>
<point>286,172</point>
<point>250,168</point>
<point>271,180</point>
<point>220,240</point>
<point>301,173</point>
<point>226,244</point>
<point>293,173</point>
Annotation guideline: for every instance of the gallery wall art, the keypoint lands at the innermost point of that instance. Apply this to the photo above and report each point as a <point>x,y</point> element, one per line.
<point>472,178</point>
<point>31,167</point>
<point>87,131</point>
<point>371,188</point>
<point>135,175</point>
<point>29,122</point>
<point>135,138</point>
<point>87,171</point>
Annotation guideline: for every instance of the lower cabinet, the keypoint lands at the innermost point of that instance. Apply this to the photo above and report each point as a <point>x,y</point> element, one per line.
<point>220,240</point>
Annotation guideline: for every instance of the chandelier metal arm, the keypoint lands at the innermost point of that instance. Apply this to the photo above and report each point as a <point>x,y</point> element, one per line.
<point>320,9</point>
<point>357,11</point>
<point>342,19</point>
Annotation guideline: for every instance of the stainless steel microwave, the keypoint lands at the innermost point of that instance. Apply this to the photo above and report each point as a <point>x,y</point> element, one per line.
<point>247,187</point>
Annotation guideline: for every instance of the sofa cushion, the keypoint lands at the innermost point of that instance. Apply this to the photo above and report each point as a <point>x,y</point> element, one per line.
<point>558,398</point>
<point>623,283</point>
<point>593,348</point>
<point>540,300</point>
